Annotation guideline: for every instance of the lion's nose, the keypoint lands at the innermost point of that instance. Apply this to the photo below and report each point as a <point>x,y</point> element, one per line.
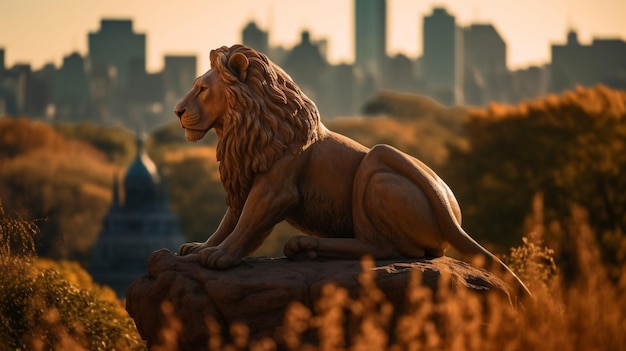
<point>179,112</point>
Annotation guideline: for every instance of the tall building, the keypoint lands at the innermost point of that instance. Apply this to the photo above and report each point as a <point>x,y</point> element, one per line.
<point>485,75</point>
<point>306,65</point>
<point>179,73</point>
<point>255,38</point>
<point>442,60</point>
<point>135,227</point>
<point>604,61</point>
<point>117,45</point>
<point>484,49</point>
<point>2,64</point>
<point>71,89</point>
<point>17,81</point>
<point>370,36</point>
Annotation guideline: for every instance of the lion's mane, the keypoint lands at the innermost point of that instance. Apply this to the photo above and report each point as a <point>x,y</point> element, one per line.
<point>267,115</point>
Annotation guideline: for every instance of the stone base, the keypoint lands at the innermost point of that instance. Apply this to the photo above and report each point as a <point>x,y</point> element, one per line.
<point>258,292</point>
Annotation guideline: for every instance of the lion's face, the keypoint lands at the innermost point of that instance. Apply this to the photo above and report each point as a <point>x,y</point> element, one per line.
<point>203,107</point>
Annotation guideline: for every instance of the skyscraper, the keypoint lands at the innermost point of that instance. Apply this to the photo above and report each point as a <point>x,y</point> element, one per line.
<point>604,61</point>
<point>116,45</point>
<point>485,71</point>
<point>442,60</point>
<point>178,75</point>
<point>484,49</point>
<point>72,89</point>
<point>1,61</point>
<point>370,36</point>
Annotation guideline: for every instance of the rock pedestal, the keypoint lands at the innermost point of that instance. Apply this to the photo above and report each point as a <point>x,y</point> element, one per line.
<point>175,301</point>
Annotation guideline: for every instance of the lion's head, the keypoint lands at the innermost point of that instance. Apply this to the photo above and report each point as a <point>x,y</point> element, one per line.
<point>257,111</point>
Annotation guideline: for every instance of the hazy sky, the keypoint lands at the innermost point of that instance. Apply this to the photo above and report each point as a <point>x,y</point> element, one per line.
<point>41,31</point>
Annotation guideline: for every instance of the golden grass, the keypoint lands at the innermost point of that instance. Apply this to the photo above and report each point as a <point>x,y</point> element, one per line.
<point>586,314</point>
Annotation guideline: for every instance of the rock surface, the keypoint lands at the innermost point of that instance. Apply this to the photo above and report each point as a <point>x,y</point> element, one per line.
<point>258,292</point>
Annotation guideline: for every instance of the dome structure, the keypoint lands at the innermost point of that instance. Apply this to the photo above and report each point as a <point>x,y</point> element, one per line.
<point>142,181</point>
<point>133,229</point>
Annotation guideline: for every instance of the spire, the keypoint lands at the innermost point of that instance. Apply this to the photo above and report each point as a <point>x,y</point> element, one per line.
<point>140,143</point>
<point>141,183</point>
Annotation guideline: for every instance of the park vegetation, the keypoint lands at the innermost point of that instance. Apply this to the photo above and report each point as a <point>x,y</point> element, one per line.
<point>545,177</point>
<point>54,305</point>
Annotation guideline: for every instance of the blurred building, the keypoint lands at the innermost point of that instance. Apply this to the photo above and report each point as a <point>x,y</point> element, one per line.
<point>308,67</point>
<point>459,66</point>
<point>442,60</point>
<point>15,89</point>
<point>2,64</point>
<point>179,73</point>
<point>116,45</point>
<point>484,49</point>
<point>486,73</point>
<point>604,61</point>
<point>72,98</point>
<point>529,83</point>
<point>255,38</point>
<point>138,223</point>
<point>43,90</point>
<point>370,37</point>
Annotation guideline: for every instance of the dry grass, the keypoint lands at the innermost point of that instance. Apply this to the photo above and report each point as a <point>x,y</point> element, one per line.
<point>586,314</point>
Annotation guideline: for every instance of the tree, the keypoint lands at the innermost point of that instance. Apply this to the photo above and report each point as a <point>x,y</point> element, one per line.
<point>63,184</point>
<point>570,148</point>
<point>41,309</point>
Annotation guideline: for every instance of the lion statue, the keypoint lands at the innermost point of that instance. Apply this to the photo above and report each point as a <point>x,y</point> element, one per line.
<point>277,161</point>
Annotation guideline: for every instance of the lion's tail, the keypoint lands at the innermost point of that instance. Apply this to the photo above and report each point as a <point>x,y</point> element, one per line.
<point>465,244</point>
<point>438,195</point>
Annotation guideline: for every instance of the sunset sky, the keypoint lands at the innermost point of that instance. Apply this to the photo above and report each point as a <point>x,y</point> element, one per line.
<point>41,31</point>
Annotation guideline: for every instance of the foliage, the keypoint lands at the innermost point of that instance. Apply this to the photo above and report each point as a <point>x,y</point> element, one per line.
<point>77,276</point>
<point>423,138</point>
<point>412,107</point>
<point>562,156</point>
<point>17,237</point>
<point>41,310</point>
<point>569,148</point>
<point>116,142</point>
<point>172,134</point>
<point>64,184</point>
<point>413,123</point>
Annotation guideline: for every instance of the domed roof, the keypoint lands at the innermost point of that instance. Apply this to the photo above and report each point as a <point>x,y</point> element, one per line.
<point>141,182</point>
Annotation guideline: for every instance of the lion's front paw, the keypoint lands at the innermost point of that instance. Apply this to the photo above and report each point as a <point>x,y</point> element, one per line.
<point>217,258</point>
<point>189,248</point>
<point>302,247</point>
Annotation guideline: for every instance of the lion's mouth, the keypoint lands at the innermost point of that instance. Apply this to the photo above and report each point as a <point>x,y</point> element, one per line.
<point>195,134</point>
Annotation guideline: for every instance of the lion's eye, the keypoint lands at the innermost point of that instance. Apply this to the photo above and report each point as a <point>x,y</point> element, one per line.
<point>203,88</point>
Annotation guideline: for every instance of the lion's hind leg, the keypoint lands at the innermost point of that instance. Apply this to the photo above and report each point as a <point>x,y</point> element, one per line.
<point>391,212</point>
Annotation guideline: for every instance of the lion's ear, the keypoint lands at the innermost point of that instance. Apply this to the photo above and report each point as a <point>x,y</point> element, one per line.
<point>238,63</point>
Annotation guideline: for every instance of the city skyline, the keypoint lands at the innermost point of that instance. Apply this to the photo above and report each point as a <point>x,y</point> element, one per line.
<point>187,29</point>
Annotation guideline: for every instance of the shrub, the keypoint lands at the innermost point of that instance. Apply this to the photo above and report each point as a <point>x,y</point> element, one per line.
<point>41,310</point>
